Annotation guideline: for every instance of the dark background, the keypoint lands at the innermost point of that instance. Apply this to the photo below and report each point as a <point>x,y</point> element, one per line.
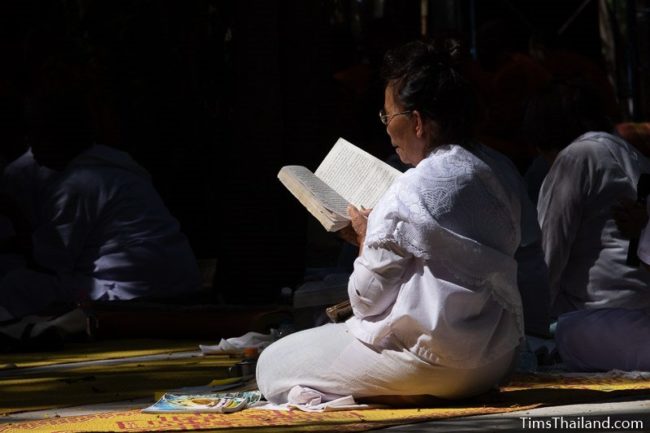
<point>214,96</point>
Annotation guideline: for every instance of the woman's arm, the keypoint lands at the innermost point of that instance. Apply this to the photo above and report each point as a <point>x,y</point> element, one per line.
<point>60,240</point>
<point>560,213</point>
<point>376,280</point>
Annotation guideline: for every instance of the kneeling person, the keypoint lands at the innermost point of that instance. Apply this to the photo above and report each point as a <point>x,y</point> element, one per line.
<point>105,232</point>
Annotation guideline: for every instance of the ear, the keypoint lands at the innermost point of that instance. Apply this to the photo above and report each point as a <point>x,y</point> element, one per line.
<point>419,124</point>
<point>424,128</point>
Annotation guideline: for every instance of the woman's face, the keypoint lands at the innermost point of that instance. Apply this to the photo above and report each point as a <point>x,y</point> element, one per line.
<point>405,131</point>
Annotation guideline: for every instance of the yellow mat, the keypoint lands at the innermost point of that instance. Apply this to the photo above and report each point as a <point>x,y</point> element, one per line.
<point>244,421</point>
<point>108,349</point>
<point>604,382</point>
<point>524,392</point>
<point>24,389</point>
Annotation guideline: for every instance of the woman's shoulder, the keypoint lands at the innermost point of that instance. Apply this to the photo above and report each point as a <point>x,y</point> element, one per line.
<point>598,151</point>
<point>450,161</point>
<point>450,173</point>
<point>590,145</point>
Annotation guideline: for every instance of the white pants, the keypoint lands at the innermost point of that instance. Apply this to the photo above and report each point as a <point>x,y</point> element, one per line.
<point>330,360</point>
<point>604,339</point>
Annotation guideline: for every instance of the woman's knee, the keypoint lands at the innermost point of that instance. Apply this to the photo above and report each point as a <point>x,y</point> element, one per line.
<point>267,373</point>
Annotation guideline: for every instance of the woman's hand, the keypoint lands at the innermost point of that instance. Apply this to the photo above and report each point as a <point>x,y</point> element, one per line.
<point>359,219</point>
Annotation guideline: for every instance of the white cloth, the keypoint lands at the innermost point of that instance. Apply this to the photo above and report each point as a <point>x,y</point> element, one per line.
<point>437,275</point>
<point>584,249</point>
<point>643,251</point>
<point>106,235</point>
<point>333,364</point>
<point>310,400</point>
<point>532,272</point>
<point>238,344</point>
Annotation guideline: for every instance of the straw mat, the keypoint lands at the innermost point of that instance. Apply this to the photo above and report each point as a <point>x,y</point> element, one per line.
<point>246,421</point>
<point>524,392</point>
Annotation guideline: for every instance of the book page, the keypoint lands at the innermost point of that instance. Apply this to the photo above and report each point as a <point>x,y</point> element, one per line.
<point>320,192</point>
<point>356,175</point>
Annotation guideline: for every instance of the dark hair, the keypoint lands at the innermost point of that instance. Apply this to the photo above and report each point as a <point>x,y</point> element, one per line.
<point>424,78</point>
<point>562,111</point>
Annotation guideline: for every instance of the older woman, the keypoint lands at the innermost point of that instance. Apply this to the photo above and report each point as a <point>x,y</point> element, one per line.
<point>434,295</point>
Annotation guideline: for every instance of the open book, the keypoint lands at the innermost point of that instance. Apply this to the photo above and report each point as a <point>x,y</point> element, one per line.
<point>347,175</point>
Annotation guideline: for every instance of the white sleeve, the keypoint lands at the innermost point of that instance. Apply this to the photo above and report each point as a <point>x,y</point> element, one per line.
<point>376,280</point>
<point>560,208</point>
<point>60,240</point>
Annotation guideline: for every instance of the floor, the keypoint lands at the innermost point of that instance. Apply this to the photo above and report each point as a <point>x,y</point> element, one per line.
<point>553,418</point>
<point>633,414</point>
<point>557,418</point>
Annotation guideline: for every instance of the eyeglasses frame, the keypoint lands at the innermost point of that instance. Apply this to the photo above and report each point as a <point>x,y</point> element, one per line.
<point>387,118</point>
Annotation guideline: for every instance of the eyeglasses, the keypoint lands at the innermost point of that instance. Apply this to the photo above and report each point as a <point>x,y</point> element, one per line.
<point>386,118</point>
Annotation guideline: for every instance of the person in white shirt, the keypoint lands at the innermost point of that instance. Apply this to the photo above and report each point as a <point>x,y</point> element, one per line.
<point>436,309</point>
<point>592,171</point>
<point>105,233</point>
<point>21,184</point>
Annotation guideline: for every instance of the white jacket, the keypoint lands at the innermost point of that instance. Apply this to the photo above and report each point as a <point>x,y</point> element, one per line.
<point>437,274</point>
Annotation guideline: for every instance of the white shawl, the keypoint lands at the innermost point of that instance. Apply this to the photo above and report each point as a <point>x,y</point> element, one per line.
<point>440,246</point>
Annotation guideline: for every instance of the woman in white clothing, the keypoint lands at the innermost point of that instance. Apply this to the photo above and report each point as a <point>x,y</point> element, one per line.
<point>434,294</point>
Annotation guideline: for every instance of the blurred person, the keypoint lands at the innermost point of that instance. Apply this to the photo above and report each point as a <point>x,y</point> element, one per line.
<point>593,289</point>
<point>105,233</point>
<point>21,183</point>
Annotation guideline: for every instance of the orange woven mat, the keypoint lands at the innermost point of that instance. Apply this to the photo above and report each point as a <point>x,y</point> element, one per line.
<point>524,392</point>
<point>244,421</point>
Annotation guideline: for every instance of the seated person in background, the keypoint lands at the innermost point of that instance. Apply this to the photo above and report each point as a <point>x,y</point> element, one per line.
<point>21,181</point>
<point>592,170</point>
<point>105,234</point>
<point>24,181</point>
<point>436,310</point>
<point>22,186</point>
<point>532,272</point>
